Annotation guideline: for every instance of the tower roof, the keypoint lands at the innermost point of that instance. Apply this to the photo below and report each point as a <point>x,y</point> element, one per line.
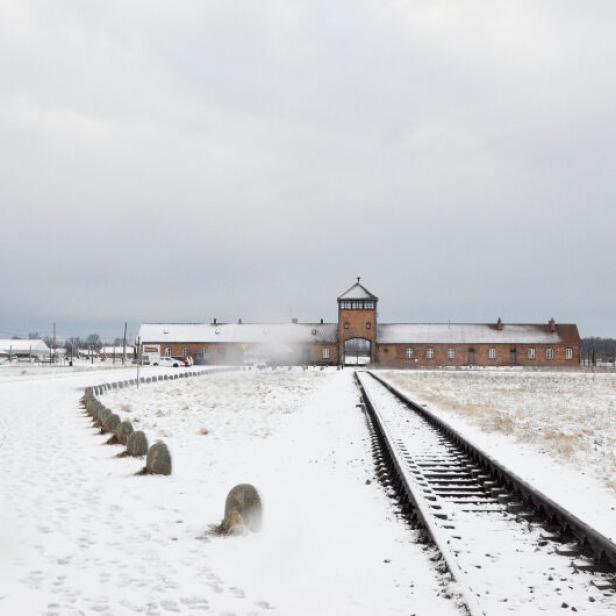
<point>357,291</point>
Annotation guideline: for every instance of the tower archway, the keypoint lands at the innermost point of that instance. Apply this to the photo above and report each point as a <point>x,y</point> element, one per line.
<point>357,325</point>
<point>357,351</point>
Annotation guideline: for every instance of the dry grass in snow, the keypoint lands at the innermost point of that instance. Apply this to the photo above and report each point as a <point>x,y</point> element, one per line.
<point>203,406</point>
<point>571,416</point>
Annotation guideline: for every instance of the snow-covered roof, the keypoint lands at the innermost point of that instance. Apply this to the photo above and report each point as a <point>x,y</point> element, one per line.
<point>238,332</point>
<point>462,333</point>
<point>24,346</point>
<point>118,350</point>
<point>387,333</point>
<point>358,291</point>
<point>87,351</point>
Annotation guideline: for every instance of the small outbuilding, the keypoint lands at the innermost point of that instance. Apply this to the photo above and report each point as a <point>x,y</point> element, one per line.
<point>34,350</point>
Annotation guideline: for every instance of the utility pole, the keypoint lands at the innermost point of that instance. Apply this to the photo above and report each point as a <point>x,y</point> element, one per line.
<point>53,343</point>
<point>138,359</point>
<point>124,345</point>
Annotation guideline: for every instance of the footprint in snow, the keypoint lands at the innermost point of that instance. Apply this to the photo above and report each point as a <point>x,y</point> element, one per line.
<point>265,605</point>
<point>195,603</point>
<point>170,606</point>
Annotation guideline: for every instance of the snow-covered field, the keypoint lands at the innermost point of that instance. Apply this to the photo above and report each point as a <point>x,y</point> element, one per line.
<point>18,370</point>
<point>557,429</point>
<point>82,534</point>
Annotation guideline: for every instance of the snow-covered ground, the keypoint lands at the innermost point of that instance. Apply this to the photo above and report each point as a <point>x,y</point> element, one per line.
<point>24,370</point>
<point>82,534</point>
<point>555,429</point>
<point>503,563</point>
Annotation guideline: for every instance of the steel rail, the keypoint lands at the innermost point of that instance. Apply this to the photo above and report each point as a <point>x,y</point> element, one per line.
<point>419,508</point>
<point>602,547</point>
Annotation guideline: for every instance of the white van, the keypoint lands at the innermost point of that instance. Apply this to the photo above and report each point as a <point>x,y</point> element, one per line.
<point>150,354</point>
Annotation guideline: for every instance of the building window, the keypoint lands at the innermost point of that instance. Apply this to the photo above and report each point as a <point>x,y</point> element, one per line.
<point>222,351</point>
<point>549,353</point>
<point>167,352</point>
<point>450,353</point>
<point>491,353</point>
<point>429,353</point>
<point>568,353</point>
<point>410,353</point>
<point>346,325</point>
<point>368,325</point>
<point>185,352</point>
<point>357,305</point>
<point>325,353</point>
<point>531,354</point>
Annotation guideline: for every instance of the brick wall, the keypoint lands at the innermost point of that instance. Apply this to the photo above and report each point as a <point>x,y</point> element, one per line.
<point>394,355</point>
<point>357,324</point>
<point>233,353</point>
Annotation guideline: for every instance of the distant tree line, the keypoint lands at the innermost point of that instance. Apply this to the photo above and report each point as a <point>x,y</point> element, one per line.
<point>598,349</point>
<point>31,336</point>
<point>93,341</point>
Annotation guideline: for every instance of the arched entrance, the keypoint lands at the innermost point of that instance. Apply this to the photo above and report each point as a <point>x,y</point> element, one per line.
<point>357,352</point>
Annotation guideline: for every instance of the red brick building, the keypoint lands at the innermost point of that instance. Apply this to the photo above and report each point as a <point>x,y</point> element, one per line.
<point>358,338</point>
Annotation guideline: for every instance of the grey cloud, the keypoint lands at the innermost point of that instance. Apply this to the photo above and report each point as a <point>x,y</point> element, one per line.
<point>186,160</point>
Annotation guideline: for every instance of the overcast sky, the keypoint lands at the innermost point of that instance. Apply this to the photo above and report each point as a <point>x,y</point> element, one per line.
<point>185,160</point>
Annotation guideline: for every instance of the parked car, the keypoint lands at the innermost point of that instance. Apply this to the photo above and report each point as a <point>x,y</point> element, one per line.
<point>169,362</point>
<point>186,360</point>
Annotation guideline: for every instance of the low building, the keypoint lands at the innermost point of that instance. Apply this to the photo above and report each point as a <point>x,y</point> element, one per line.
<point>358,338</point>
<point>87,353</point>
<point>239,343</point>
<point>116,352</point>
<point>35,350</point>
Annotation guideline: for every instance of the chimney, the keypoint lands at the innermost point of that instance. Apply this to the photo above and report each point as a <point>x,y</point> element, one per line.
<point>552,324</point>
<point>214,322</point>
<point>294,320</point>
<point>239,321</point>
<point>321,321</point>
<point>499,324</point>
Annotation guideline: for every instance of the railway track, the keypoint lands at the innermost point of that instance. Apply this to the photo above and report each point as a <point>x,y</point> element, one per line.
<point>2,432</point>
<point>510,549</point>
